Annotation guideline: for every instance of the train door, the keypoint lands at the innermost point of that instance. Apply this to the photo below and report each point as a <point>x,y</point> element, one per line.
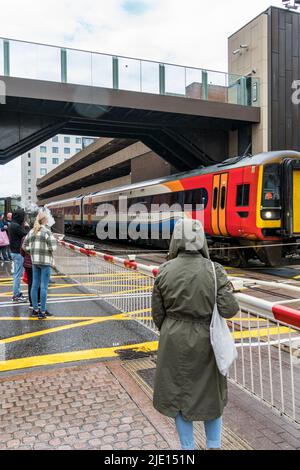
<point>219,199</point>
<point>291,197</point>
<point>296,200</point>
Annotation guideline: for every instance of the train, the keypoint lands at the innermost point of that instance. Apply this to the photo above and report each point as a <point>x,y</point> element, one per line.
<point>9,204</point>
<point>250,206</point>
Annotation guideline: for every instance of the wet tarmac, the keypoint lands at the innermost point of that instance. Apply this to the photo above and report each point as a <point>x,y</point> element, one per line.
<point>83,327</point>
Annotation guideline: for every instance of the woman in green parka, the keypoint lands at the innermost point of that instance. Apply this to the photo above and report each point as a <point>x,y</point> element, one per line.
<point>188,384</point>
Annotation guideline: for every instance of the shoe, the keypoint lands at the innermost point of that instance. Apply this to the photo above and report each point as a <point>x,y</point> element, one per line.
<point>19,300</point>
<point>22,298</point>
<point>41,315</point>
<point>48,314</point>
<point>35,313</point>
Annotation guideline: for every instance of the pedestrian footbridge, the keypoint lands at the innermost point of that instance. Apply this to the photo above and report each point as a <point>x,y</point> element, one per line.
<point>184,114</point>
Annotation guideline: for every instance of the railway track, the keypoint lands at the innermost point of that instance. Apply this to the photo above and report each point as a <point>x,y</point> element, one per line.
<point>289,271</point>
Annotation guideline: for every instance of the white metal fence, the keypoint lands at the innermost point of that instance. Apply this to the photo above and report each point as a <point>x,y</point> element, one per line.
<point>268,365</point>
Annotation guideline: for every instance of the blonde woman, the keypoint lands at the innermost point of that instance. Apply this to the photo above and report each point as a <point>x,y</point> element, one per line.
<point>40,244</point>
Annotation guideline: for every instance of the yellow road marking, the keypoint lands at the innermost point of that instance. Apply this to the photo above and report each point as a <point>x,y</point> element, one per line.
<point>86,322</point>
<point>74,356</point>
<point>261,332</point>
<point>69,276</point>
<point>245,319</point>
<point>13,339</point>
<point>95,283</point>
<point>48,319</point>
<point>72,294</point>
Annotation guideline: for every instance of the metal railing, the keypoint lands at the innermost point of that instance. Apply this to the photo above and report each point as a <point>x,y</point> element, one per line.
<point>268,364</point>
<point>66,65</point>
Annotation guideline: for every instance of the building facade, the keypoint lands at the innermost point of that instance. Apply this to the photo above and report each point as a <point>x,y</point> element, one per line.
<point>43,159</point>
<point>268,48</point>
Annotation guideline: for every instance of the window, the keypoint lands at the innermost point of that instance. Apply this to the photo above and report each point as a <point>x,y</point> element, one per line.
<point>55,150</point>
<point>55,139</point>
<point>78,140</point>
<point>29,155</point>
<point>78,150</point>
<point>29,163</point>
<point>43,149</point>
<point>29,172</point>
<point>223,197</point>
<point>66,159</point>
<point>29,181</point>
<point>66,140</point>
<point>55,161</point>
<point>215,203</point>
<point>43,171</point>
<point>29,198</point>
<point>67,151</point>
<point>29,190</point>
<point>271,186</point>
<point>43,160</point>
<point>242,195</point>
<point>86,141</point>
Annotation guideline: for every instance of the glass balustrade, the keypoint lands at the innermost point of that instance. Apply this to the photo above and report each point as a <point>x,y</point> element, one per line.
<point>51,63</point>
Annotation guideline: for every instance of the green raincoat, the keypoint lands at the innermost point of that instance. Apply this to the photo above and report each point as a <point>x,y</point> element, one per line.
<point>187,378</point>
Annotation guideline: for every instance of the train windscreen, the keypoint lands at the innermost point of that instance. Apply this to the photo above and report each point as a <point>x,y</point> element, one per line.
<point>271,195</point>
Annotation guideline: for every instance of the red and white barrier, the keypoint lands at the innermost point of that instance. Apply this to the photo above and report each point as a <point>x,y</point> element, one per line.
<point>144,269</point>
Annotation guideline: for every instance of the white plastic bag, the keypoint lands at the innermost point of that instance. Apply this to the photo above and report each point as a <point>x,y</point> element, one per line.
<point>220,337</point>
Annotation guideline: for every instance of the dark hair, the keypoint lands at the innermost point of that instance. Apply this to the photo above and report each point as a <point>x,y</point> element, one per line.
<point>19,216</point>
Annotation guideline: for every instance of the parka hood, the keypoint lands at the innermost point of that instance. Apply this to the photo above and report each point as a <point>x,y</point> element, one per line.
<point>18,216</point>
<point>188,237</point>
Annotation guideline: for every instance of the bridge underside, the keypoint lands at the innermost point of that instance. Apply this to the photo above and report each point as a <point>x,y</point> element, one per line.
<point>185,132</point>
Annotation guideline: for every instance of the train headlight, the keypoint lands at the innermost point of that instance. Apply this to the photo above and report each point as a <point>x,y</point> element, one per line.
<point>273,214</point>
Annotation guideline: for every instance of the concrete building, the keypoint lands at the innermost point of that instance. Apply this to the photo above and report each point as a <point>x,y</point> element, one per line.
<point>104,164</point>
<point>268,47</point>
<point>43,159</point>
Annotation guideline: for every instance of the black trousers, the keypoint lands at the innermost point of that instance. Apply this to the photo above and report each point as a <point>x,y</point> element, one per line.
<point>30,279</point>
<point>5,253</point>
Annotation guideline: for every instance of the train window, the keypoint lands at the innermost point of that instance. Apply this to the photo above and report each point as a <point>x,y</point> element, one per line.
<point>242,195</point>
<point>215,202</point>
<point>178,198</point>
<point>223,197</point>
<point>196,197</point>
<point>271,186</point>
<point>162,199</point>
<point>203,197</point>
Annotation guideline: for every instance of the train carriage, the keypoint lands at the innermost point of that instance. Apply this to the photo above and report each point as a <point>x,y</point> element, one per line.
<point>250,206</point>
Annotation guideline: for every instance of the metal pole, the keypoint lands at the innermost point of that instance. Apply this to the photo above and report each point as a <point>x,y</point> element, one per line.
<point>115,64</point>
<point>64,65</point>
<point>204,85</point>
<point>162,79</point>
<point>6,56</point>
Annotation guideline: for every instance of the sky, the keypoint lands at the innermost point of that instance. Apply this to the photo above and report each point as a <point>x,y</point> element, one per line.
<point>189,32</point>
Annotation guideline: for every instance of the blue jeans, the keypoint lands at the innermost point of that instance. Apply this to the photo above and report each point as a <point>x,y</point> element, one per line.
<point>18,272</point>
<point>41,276</point>
<point>213,431</point>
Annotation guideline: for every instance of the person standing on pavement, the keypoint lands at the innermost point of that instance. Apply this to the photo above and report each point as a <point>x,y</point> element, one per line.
<point>4,240</point>
<point>40,244</point>
<point>188,385</point>
<point>28,269</point>
<point>17,229</point>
